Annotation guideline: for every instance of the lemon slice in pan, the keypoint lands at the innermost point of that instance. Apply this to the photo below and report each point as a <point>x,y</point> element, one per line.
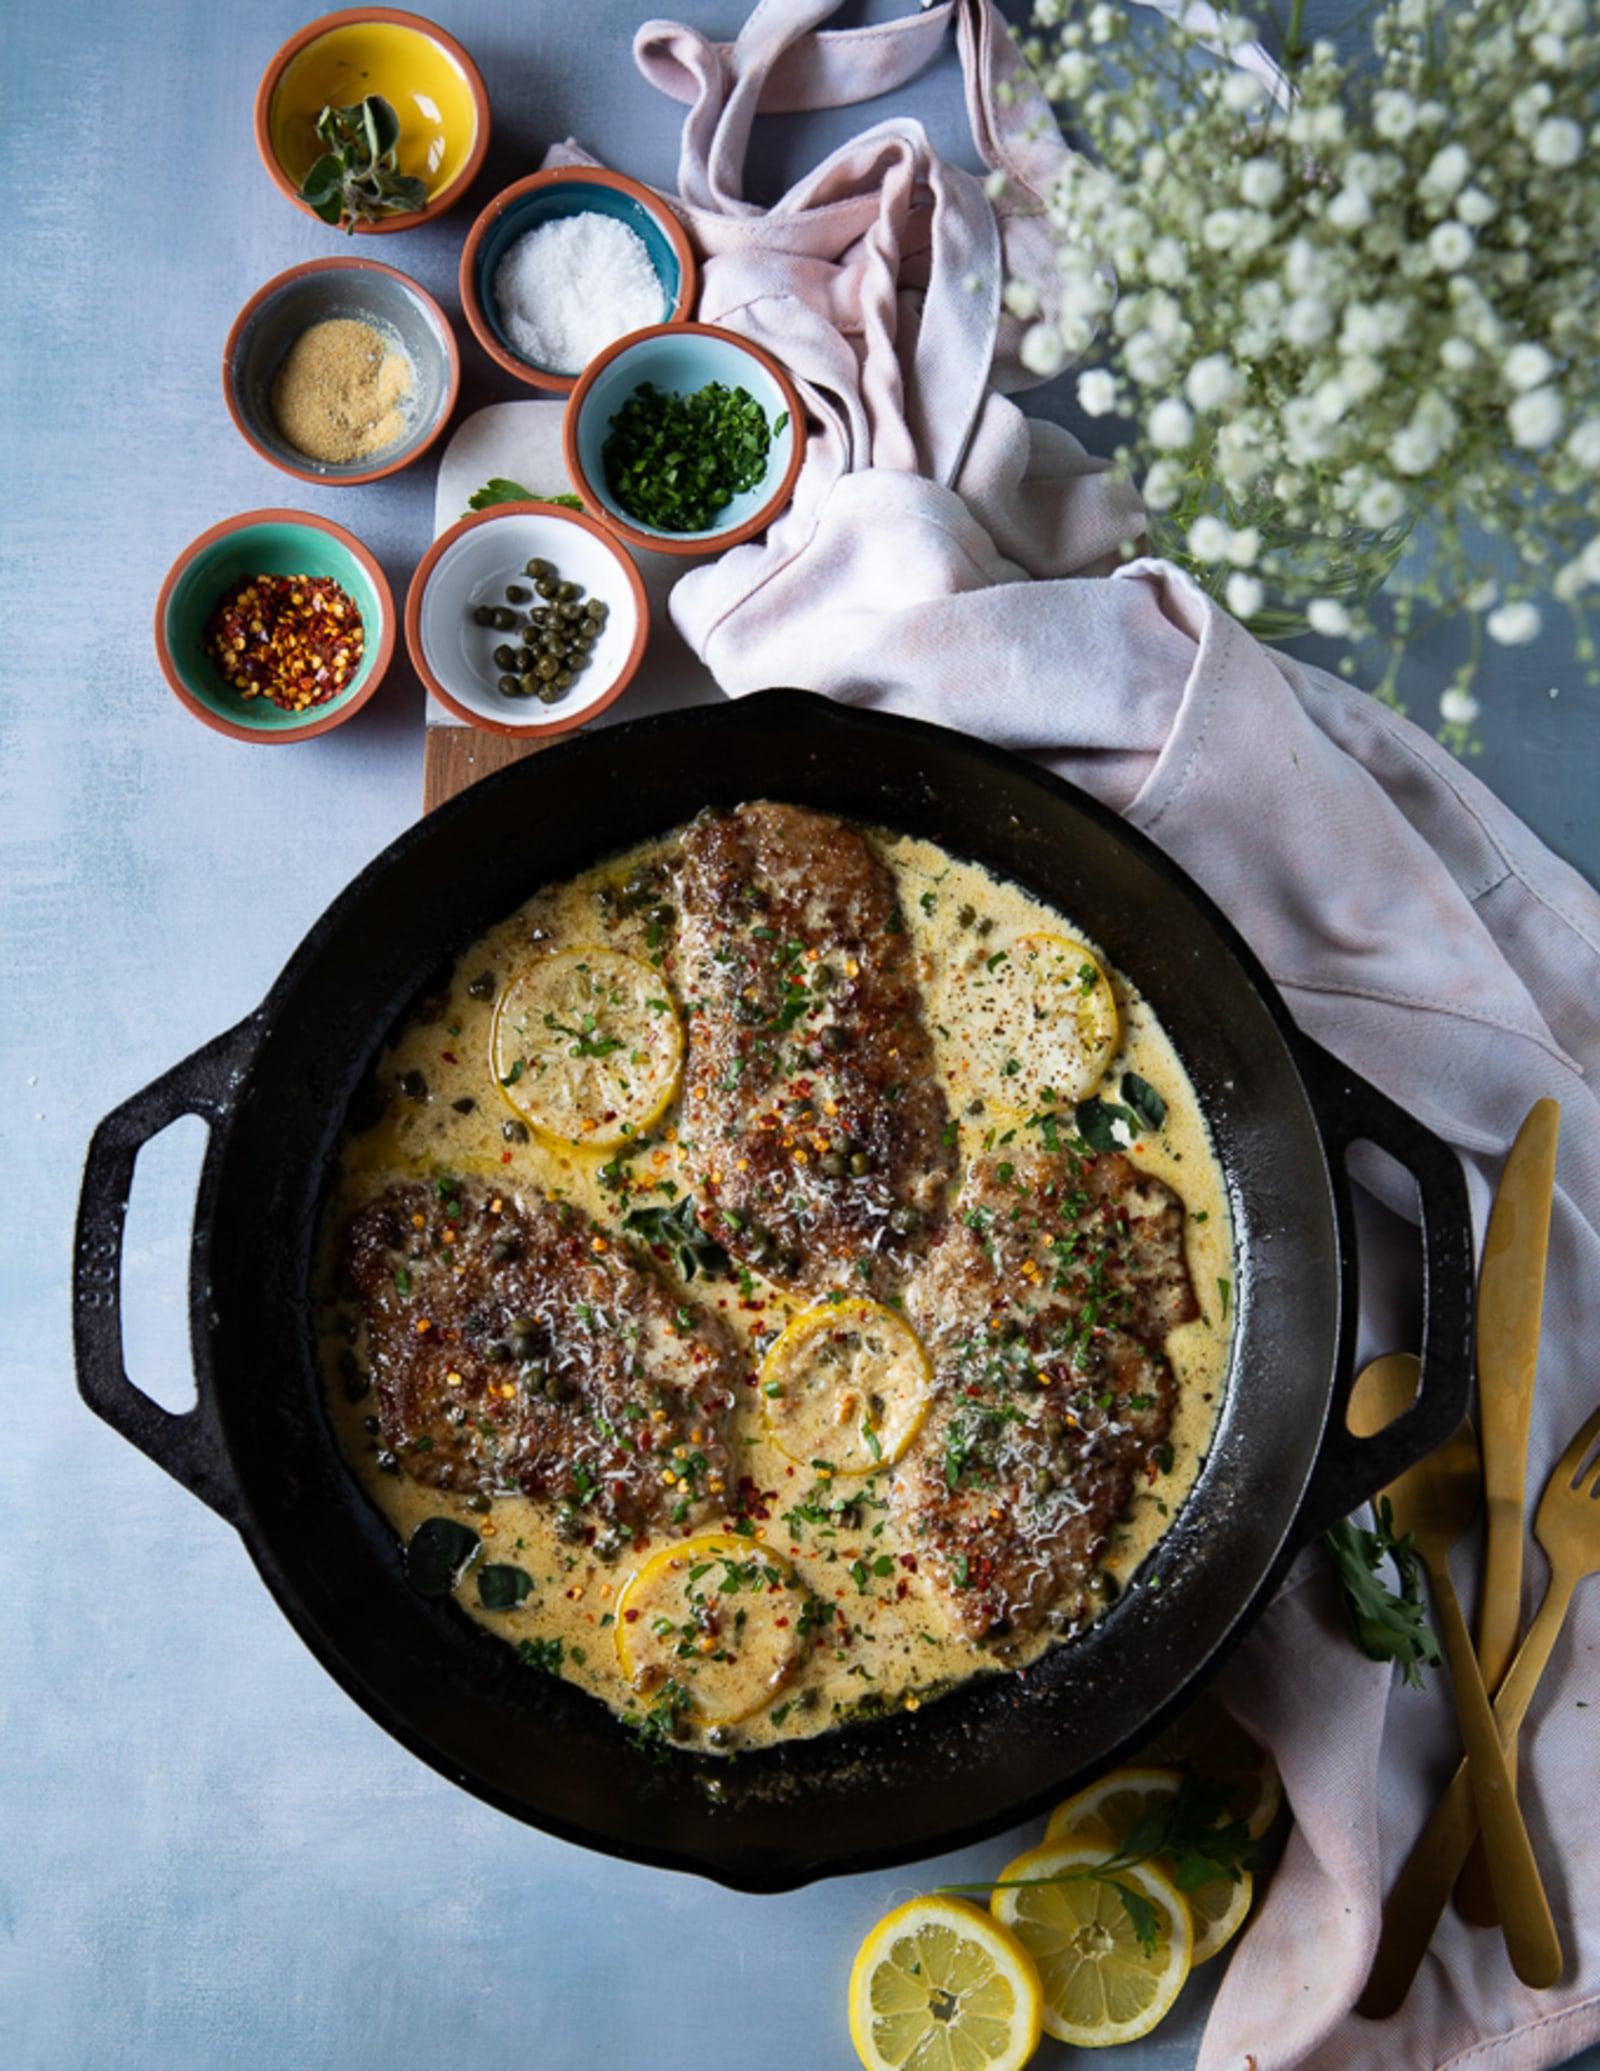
<point>1100,1983</point>
<point>719,1616</point>
<point>846,1383</point>
<point>588,1046</point>
<point>939,1986</point>
<point>1044,1022</point>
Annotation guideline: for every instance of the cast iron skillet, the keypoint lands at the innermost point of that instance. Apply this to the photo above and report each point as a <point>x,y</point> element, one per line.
<point>258,1449</point>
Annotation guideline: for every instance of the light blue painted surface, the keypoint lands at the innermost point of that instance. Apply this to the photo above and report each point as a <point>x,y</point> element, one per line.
<point>208,1856</point>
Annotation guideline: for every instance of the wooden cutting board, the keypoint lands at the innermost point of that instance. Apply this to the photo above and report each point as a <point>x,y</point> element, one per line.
<point>522,442</point>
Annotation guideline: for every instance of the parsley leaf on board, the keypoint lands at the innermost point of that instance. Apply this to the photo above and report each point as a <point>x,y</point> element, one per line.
<point>499,490</point>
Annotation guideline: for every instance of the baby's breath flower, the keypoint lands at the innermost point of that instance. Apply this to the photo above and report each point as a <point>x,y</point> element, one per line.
<point>1208,539</point>
<point>1171,424</point>
<point>1513,625</point>
<point>1212,381</point>
<point>1527,365</point>
<point>1374,303</point>
<point>1450,246</point>
<point>1558,142</point>
<point>1458,707</point>
<point>1535,418</point>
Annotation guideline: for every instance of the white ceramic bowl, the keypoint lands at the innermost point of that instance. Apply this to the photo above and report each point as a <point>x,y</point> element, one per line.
<point>471,564</point>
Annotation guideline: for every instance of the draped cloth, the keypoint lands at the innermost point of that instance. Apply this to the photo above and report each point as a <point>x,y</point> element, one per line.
<point>947,556</point>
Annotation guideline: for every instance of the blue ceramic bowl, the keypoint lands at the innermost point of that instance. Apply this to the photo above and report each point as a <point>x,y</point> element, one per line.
<point>545,198</point>
<point>679,359</point>
<point>270,542</point>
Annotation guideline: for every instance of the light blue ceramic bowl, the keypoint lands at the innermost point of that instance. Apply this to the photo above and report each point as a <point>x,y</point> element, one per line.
<point>680,359</point>
<point>545,198</point>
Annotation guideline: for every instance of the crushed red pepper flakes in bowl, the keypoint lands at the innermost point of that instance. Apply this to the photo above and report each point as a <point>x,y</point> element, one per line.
<point>296,640</point>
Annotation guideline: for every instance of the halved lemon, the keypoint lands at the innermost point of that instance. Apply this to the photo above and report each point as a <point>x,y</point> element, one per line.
<point>588,1046</point>
<point>939,1986</point>
<point>846,1384</point>
<point>1209,1740</point>
<point>1107,1812</point>
<point>1043,1021</point>
<point>1100,1985</point>
<point>720,1616</point>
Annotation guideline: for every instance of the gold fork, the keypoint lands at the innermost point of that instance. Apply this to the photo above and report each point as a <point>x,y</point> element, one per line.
<point>1567,1526</point>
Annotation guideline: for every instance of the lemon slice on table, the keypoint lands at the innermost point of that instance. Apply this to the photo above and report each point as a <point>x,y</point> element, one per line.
<point>1099,1984</point>
<point>846,1383</point>
<point>1044,1022</point>
<point>939,1986</point>
<point>1108,1811</point>
<point>588,1046</point>
<point>1209,1740</point>
<point>720,1617</point>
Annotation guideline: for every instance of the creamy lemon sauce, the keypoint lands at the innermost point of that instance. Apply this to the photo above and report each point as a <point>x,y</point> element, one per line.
<point>832,1539</point>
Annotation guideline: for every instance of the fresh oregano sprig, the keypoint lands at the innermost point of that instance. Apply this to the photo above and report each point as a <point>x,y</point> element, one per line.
<point>1189,1833</point>
<point>1385,1625</point>
<point>674,461</point>
<point>358,178</point>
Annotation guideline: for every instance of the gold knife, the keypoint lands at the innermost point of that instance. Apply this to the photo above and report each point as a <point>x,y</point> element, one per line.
<point>1510,1298</point>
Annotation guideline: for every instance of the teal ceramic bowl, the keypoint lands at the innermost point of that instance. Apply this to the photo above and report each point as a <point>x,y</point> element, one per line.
<point>680,359</point>
<point>545,198</point>
<point>267,543</point>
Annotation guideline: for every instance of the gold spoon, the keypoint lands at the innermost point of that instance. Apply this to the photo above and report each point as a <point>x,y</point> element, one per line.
<point>1567,1526</point>
<point>1435,1501</point>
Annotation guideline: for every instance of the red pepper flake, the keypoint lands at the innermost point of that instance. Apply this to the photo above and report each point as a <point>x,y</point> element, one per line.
<point>296,640</point>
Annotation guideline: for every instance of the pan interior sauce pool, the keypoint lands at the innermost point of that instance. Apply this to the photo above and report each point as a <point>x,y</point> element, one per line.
<point>784,1582</point>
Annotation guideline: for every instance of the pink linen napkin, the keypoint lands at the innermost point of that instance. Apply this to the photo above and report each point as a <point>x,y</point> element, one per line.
<point>946,556</point>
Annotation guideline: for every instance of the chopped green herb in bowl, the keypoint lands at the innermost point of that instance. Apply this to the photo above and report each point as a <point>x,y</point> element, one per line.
<point>684,438</point>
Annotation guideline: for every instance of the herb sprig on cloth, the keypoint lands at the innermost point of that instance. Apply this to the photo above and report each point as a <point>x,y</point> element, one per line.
<point>1385,1625</point>
<point>1189,1834</point>
<point>675,461</point>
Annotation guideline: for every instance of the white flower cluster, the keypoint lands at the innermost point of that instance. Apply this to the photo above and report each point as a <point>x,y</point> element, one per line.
<point>1326,323</point>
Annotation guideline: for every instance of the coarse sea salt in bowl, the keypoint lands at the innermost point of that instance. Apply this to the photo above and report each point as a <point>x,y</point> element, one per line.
<point>583,287</point>
<point>682,359</point>
<point>469,569</point>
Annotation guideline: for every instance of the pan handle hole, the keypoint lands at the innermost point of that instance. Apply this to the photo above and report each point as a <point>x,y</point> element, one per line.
<point>1387,1210</point>
<point>155,1264</point>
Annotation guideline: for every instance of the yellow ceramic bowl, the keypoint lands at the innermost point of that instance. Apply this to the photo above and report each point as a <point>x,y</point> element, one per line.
<point>421,70</point>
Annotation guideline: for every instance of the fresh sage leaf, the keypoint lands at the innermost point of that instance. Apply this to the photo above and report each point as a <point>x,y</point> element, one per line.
<point>1143,1098</point>
<point>678,1229</point>
<point>1097,1122</point>
<point>440,1552</point>
<point>502,1587</point>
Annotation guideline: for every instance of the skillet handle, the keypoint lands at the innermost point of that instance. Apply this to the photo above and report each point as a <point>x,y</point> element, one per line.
<point>187,1444</point>
<point>1350,1471</point>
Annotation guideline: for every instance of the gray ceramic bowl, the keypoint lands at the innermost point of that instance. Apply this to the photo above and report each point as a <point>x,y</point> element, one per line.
<point>371,293</point>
